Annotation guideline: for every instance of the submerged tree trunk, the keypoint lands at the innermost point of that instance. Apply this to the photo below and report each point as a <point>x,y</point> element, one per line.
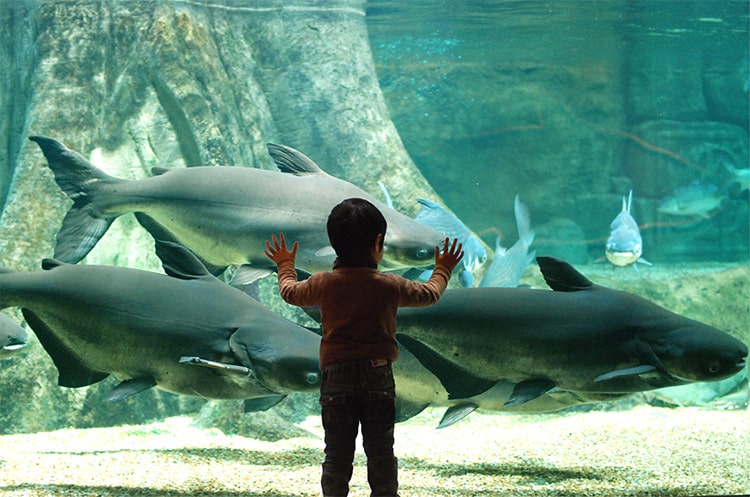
<point>137,84</point>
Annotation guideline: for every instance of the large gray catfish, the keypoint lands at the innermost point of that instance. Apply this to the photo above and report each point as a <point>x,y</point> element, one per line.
<point>580,338</point>
<point>224,214</point>
<point>185,332</point>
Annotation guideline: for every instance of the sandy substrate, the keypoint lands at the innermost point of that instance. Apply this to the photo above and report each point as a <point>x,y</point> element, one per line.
<point>646,451</point>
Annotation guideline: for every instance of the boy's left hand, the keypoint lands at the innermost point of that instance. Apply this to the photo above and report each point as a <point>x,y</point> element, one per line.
<point>278,253</point>
<point>450,257</point>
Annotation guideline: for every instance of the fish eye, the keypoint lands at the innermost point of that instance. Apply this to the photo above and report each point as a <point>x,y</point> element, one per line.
<point>312,378</point>
<point>714,368</point>
<point>421,254</point>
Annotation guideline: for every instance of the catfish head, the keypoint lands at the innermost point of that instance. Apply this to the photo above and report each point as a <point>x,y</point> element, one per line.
<point>697,352</point>
<point>409,244</point>
<point>281,355</point>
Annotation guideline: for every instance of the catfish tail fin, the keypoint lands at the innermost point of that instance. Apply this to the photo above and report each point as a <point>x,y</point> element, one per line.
<point>77,177</point>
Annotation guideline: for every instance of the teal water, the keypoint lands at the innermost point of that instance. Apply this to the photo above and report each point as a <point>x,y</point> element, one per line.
<point>571,105</point>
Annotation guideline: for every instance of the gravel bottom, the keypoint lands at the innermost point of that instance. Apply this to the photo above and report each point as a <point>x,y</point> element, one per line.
<point>645,451</point>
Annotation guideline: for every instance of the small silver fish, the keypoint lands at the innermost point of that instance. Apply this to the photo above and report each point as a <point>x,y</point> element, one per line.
<point>737,178</point>
<point>624,245</point>
<point>696,199</point>
<point>436,217</point>
<point>507,265</point>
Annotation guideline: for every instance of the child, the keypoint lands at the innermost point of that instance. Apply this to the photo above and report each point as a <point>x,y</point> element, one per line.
<point>358,312</point>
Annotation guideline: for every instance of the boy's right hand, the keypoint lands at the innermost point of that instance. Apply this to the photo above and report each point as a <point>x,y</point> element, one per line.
<point>278,253</point>
<point>450,257</point>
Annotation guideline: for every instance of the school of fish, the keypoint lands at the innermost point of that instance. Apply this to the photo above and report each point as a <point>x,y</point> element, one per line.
<point>492,346</point>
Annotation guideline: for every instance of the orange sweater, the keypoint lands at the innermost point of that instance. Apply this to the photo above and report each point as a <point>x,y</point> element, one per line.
<point>358,307</point>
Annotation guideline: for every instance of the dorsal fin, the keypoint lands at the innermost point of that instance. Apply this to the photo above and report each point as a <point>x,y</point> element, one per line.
<point>290,160</point>
<point>49,263</point>
<point>159,170</point>
<point>179,262</point>
<point>561,276</point>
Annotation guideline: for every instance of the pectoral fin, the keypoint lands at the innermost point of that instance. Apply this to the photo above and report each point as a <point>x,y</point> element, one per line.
<point>261,403</point>
<point>527,390</point>
<point>634,371</point>
<point>456,413</point>
<point>130,387</point>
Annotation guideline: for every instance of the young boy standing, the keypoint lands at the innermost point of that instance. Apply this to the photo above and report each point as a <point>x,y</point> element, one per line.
<point>358,307</point>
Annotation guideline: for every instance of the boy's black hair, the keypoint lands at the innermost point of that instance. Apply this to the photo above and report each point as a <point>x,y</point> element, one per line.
<point>353,225</point>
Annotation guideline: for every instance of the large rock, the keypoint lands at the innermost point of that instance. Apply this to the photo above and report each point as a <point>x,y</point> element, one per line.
<point>137,84</point>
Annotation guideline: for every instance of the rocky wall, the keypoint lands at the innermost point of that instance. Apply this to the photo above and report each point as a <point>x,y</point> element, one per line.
<point>137,84</point>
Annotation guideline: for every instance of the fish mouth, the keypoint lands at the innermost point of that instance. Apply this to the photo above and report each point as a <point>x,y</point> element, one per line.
<point>621,258</point>
<point>12,347</point>
<point>740,364</point>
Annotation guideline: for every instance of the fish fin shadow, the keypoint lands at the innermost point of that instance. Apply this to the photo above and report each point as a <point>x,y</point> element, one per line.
<point>459,383</point>
<point>71,372</point>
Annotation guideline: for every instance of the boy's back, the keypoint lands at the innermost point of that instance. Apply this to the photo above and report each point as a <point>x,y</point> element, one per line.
<point>358,307</point>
